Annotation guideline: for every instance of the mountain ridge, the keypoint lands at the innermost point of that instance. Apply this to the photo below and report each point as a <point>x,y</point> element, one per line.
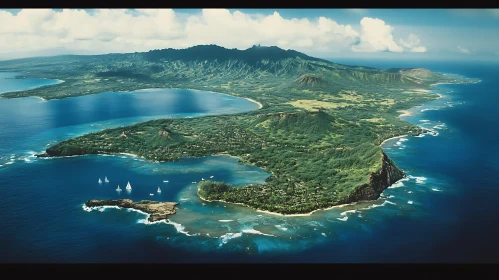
<point>205,67</point>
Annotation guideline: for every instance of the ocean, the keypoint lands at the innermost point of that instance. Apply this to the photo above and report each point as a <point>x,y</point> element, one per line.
<point>446,210</point>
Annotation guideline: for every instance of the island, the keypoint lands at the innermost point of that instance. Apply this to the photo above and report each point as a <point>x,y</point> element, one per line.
<point>157,210</point>
<point>318,131</point>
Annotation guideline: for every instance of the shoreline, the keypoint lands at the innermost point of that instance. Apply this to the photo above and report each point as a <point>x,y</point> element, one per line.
<point>202,90</point>
<point>405,113</point>
<point>254,101</point>
<point>391,138</point>
<point>279,214</point>
<point>408,113</point>
<point>128,154</point>
<point>226,155</point>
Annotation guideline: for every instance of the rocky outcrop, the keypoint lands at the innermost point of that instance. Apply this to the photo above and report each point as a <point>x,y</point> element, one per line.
<point>309,79</point>
<point>157,210</point>
<point>378,182</point>
<point>43,155</point>
<point>164,133</point>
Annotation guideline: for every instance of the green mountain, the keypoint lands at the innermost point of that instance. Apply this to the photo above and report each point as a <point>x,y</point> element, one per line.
<point>318,131</point>
<point>203,66</point>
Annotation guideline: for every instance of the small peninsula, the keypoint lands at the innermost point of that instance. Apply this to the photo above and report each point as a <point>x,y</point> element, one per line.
<point>157,210</point>
<point>318,131</point>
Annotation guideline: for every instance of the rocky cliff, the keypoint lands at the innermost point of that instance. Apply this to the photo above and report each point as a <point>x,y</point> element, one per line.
<point>156,210</point>
<point>378,182</point>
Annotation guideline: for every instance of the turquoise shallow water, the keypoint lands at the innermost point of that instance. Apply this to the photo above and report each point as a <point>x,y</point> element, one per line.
<point>11,81</point>
<point>438,213</point>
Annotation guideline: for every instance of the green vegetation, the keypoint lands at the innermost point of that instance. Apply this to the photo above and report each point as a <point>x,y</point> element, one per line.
<point>209,189</point>
<point>318,132</point>
<point>316,160</point>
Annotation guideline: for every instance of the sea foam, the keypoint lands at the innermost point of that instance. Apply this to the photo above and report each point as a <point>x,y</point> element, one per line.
<point>399,183</point>
<point>254,231</point>
<point>228,236</point>
<point>180,228</point>
<point>346,212</point>
<point>419,180</point>
<point>386,202</point>
<point>281,227</point>
<point>98,208</point>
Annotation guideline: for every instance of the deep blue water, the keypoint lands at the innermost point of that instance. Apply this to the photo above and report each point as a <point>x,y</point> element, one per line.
<point>445,211</point>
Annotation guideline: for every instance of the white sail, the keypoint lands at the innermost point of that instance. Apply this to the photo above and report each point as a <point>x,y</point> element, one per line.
<point>118,189</point>
<point>166,181</point>
<point>100,181</point>
<point>159,190</point>
<point>106,180</point>
<point>151,194</point>
<point>211,176</point>
<point>128,186</point>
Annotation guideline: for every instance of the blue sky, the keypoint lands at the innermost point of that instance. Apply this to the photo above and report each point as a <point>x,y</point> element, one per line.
<point>328,33</point>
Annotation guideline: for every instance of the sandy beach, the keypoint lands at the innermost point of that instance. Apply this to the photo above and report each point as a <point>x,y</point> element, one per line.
<point>127,154</point>
<point>405,135</point>
<point>405,113</point>
<point>305,214</point>
<point>259,104</point>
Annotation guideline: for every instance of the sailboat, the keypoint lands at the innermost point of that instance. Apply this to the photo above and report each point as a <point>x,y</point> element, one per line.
<point>151,194</point>
<point>166,181</point>
<point>118,189</point>
<point>211,176</point>
<point>159,190</point>
<point>100,181</point>
<point>106,180</point>
<point>128,187</point>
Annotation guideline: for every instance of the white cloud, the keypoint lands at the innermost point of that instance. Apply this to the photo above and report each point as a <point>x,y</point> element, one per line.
<point>418,49</point>
<point>376,36</point>
<point>462,50</point>
<point>412,44</point>
<point>122,30</point>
